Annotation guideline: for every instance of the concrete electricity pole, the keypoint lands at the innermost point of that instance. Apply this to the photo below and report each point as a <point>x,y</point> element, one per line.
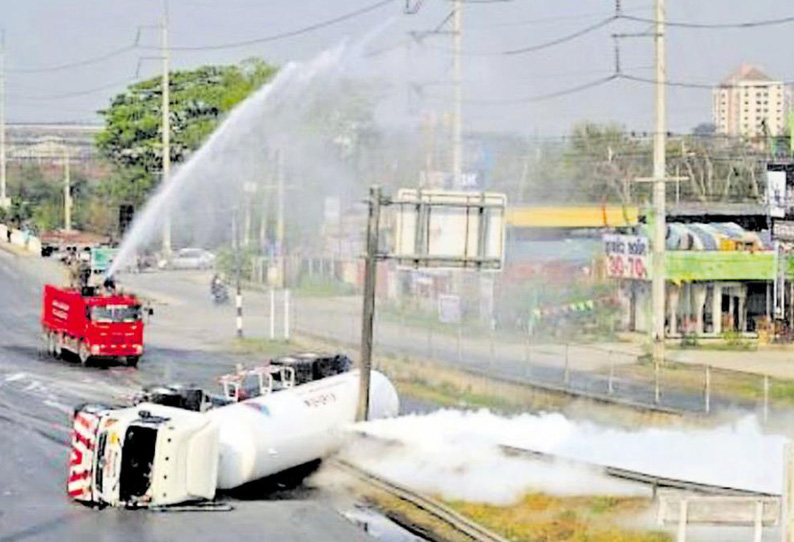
<point>67,192</point>
<point>4,201</point>
<point>457,83</point>
<point>368,309</point>
<point>280,254</point>
<point>659,174</point>
<point>166,126</point>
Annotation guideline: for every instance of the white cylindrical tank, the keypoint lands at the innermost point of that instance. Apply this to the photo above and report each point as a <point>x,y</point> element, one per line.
<point>266,435</point>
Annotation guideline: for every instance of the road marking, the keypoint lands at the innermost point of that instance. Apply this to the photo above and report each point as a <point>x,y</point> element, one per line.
<point>58,406</point>
<point>14,377</point>
<point>11,271</point>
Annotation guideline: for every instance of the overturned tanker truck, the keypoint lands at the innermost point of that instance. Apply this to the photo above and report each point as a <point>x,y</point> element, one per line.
<point>179,444</point>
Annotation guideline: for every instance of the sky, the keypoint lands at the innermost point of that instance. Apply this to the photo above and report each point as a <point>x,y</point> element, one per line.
<point>49,33</point>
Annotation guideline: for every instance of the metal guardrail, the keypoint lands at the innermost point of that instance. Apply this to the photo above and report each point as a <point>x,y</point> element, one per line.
<point>457,521</point>
<point>656,482</point>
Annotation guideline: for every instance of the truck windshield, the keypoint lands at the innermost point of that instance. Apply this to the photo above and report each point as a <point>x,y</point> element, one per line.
<point>116,313</point>
<point>100,463</point>
<point>137,456</point>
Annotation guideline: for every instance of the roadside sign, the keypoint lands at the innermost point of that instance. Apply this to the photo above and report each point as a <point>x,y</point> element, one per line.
<point>776,193</point>
<point>449,309</point>
<point>101,258</point>
<point>450,229</point>
<point>783,230</point>
<point>627,256</point>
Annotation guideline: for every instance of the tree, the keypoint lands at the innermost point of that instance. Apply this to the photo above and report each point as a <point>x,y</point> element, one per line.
<point>717,168</point>
<point>131,139</point>
<point>605,162</point>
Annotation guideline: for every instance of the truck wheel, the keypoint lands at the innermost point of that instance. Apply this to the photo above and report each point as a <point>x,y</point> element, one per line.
<point>84,353</point>
<point>57,349</point>
<point>132,361</point>
<point>50,343</point>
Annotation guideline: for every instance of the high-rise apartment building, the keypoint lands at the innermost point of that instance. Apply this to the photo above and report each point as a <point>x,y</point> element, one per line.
<point>750,104</point>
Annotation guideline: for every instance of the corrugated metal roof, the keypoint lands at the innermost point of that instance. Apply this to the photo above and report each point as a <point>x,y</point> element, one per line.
<point>700,236</point>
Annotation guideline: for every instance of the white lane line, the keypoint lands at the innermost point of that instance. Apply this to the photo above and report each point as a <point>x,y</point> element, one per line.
<point>16,376</point>
<point>11,271</point>
<point>58,406</point>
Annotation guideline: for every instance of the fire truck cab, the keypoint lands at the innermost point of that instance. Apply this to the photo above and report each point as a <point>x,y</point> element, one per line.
<point>92,324</point>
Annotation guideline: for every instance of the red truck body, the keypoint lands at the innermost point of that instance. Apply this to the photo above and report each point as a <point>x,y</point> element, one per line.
<point>92,326</point>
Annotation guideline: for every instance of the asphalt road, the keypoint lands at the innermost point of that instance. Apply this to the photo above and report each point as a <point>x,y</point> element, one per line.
<point>37,395</point>
<point>339,318</point>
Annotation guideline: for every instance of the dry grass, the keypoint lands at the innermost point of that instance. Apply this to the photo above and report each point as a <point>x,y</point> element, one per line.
<point>692,378</point>
<point>441,384</point>
<point>264,348</point>
<point>444,385</point>
<point>545,518</point>
<point>406,514</point>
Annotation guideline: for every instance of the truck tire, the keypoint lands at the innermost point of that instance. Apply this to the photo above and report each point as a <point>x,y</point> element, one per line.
<point>57,349</point>
<point>49,347</point>
<point>83,353</point>
<point>132,361</point>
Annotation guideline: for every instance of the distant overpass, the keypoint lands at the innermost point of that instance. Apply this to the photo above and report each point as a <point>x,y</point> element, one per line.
<point>573,216</point>
<point>48,142</point>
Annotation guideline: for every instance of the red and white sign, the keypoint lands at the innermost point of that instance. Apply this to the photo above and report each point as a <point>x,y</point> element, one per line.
<point>627,256</point>
<point>84,429</point>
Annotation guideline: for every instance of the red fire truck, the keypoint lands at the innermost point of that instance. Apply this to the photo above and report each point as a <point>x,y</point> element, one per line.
<point>92,324</point>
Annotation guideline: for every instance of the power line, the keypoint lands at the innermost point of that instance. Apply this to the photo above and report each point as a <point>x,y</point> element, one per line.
<point>556,19</point>
<point>621,16</point>
<point>544,45</point>
<point>79,63</point>
<point>715,26</point>
<point>540,97</point>
<point>701,86</point>
<point>563,39</point>
<point>76,93</point>
<point>288,34</point>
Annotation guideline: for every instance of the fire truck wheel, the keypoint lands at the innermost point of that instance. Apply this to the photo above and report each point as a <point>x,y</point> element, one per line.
<point>49,345</point>
<point>132,361</point>
<point>83,353</point>
<point>57,349</point>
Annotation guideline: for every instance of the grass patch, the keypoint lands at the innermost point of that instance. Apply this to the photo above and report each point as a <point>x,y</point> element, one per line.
<point>446,394</point>
<point>686,377</point>
<point>404,513</point>
<point>546,518</point>
<point>323,287</point>
<point>264,347</point>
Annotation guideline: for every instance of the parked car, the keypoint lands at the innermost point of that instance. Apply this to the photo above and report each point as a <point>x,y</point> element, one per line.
<point>189,258</point>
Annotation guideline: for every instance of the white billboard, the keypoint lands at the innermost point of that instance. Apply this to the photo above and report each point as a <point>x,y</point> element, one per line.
<point>440,228</point>
<point>776,193</point>
<point>627,256</point>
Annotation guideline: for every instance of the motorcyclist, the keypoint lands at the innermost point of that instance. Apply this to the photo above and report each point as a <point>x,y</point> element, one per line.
<point>217,287</point>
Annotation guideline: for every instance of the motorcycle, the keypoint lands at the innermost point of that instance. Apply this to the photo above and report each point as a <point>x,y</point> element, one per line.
<point>220,294</point>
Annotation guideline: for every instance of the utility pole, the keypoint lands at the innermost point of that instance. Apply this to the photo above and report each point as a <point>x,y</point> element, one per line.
<point>659,174</point>
<point>368,312</point>
<point>280,255</point>
<point>67,192</point>
<point>166,126</point>
<point>263,222</point>
<point>457,83</point>
<point>4,201</point>
<point>238,298</point>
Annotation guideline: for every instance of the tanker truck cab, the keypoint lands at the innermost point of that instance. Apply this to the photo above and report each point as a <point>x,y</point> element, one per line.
<point>147,455</point>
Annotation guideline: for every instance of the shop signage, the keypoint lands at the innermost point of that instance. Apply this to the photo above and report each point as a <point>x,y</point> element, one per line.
<point>627,256</point>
